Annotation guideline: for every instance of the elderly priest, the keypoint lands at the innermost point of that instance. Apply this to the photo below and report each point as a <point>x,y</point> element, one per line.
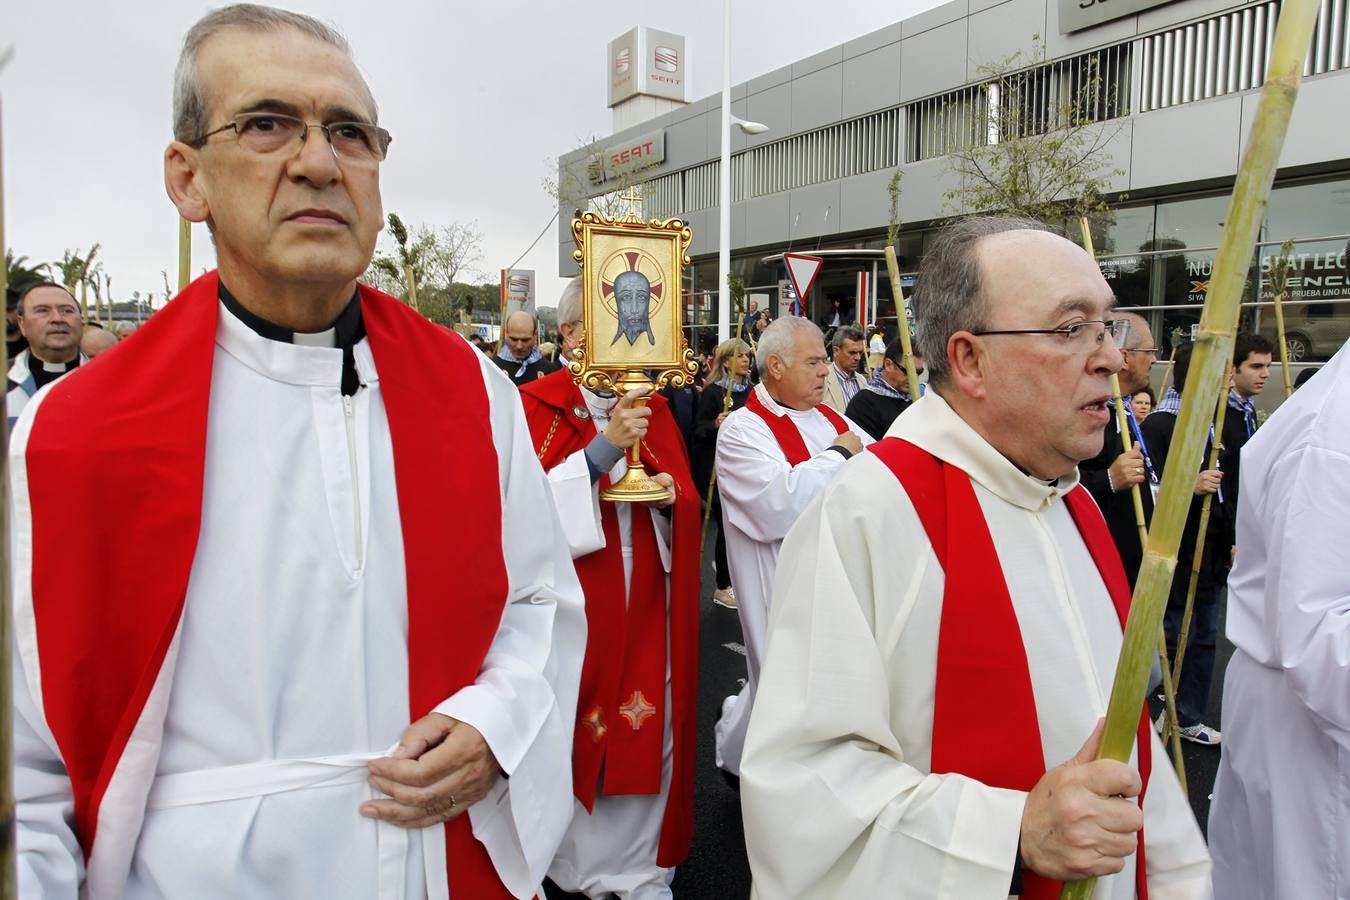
<point>297,675</point>
<point>947,619</point>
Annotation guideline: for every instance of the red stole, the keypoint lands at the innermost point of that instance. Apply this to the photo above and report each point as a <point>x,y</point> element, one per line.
<point>624,669</point>
<point>983,681</point>
<point>103,631</point>
<point>785,430</point>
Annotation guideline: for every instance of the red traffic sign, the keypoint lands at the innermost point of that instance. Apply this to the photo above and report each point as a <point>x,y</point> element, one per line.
<point>802,271</point>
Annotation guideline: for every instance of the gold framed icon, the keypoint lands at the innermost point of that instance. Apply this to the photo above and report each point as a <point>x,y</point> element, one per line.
<point>632,311</point>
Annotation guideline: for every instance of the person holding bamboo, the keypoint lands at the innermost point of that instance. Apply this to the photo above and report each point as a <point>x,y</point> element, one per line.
<point>726,391</point>
<point>886,395</point>
<point>1277,825</point>
<point>295,672</point>
<point>1110,475</point>
<point>947,618</point>
<point>773,457</point>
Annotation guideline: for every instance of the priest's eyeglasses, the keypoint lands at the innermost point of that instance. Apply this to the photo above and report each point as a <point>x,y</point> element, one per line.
<point>267,132</point>
<point>1088,335</point>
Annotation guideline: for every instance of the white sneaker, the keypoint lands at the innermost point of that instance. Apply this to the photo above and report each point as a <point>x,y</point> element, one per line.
<point>1200,733</point>
<point>725,598</point>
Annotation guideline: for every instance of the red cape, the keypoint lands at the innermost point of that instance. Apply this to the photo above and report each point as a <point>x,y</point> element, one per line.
<point>550,406</point>
<point>141,411</point>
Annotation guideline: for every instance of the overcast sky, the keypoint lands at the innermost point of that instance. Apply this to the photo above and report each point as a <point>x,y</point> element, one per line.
<point>480,96</point>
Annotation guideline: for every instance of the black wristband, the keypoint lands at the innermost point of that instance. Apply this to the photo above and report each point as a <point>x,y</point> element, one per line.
<point>843,451</point>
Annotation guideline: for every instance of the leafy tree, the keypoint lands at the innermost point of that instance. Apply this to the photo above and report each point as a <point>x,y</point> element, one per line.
<point>431,259</point>
<point>575,182</point>
<point>1038,147</point>
<point>19,274</point>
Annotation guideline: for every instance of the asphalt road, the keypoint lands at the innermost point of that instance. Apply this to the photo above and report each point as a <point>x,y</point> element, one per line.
<point>717,868</point>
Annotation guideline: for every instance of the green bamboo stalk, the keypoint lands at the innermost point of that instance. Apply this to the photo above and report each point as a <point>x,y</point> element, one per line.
<point>1214,347</point>
<point>1169,683</point>
<point>1279,281</point>
<point>902,312</point>
<point>184,253</point>
<point>412,287</point>
<point>1171,723</point>
<point>8,879</point>
<point>726,407</point>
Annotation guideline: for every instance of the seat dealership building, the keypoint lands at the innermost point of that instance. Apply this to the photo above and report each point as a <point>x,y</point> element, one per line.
<point>1173,90</point>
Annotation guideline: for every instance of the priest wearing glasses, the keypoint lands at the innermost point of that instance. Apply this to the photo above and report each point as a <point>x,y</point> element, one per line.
<point>291,681</point>
<point>947,618</point>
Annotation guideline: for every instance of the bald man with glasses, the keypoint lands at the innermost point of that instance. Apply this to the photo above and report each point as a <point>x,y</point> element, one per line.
<point>947,617</point>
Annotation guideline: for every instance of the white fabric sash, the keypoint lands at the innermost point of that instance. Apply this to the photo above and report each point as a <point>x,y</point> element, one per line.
<point>279,776</point>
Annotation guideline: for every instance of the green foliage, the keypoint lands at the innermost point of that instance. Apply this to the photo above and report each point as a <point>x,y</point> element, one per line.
<point>1280,269</point>
<point>893,188</point>
<point>1045,159</point>
<point>20,275</point>
<point>437,257</point>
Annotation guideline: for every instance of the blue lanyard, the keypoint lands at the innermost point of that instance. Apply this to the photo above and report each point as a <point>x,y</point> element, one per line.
<point>1143,447</point>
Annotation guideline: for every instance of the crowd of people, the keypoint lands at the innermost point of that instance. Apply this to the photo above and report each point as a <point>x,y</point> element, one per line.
<point>374,622</point>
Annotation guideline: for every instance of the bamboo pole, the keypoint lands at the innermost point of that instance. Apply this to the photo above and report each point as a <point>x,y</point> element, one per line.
<point>726,407</point>
<point>8,879</point>
<point>184,253</point>
<point>902,313</point>
<point>1168,683</point>
<point>1171,723</point>
<point>1167,376</point>
<point>1285,249</point>
<point>1214,347</point>
<point>412,288</point>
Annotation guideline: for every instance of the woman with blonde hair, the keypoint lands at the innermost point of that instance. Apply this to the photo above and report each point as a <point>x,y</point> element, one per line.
<point>730,375</point>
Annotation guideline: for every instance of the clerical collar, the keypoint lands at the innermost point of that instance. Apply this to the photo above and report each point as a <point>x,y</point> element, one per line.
<point>344,334</point>
<point>44,372</point>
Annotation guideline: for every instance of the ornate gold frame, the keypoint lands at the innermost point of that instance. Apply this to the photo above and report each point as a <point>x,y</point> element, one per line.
<point>658,248</point>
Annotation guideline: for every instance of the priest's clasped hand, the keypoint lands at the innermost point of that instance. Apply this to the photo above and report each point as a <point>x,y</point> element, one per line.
<point>1080,819</point>
<point>441,767</point>
<point>627,423</point>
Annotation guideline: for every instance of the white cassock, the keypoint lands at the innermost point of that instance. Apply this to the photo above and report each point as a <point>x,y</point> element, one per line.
<point>836,787</point>
<point>612,849</point>
<point>762,496</point>
<point>1280,823</point>
<point>293,647</point>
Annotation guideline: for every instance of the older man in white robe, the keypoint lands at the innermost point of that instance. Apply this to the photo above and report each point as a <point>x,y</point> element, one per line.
<point>774,455</point>
<point>947,619</point>
<point>320,661</point>
<point>1281,802</point>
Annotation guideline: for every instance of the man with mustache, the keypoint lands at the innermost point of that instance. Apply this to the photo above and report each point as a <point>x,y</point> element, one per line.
<point>947,620</point>
<point>296,675</point>
<point>49,319</point>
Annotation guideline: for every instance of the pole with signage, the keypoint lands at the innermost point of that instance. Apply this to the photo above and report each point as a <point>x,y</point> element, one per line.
<point>1213,351</point>
<point>724,187</point>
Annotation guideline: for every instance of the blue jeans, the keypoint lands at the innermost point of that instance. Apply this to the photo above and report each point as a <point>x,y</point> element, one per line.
<point>1197,673</point>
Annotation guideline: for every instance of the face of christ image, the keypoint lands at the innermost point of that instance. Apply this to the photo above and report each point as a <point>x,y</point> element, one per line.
<point>633,292</point>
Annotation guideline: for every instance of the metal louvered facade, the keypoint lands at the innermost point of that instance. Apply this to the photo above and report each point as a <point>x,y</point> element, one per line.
<point>1230,52</point>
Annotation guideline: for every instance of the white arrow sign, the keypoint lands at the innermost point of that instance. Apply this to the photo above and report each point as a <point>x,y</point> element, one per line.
<point>802,270</point>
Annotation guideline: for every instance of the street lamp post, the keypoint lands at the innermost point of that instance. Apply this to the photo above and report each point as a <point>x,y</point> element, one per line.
<point>724,181</point>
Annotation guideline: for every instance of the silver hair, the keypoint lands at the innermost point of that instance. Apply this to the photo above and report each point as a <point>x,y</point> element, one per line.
<point>569,304</point>
<point>845,333</point>
<point>189,99</point>
<point>1135,320</point>
<point>949,296</point>
<point>778,340</point>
